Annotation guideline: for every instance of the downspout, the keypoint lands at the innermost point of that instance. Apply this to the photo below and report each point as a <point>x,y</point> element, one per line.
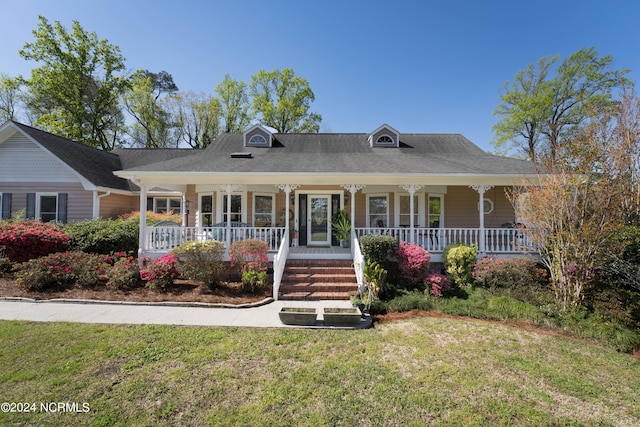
<point>96,202</point>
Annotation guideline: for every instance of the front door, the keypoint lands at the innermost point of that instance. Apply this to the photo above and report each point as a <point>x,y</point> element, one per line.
<point>318,220</point>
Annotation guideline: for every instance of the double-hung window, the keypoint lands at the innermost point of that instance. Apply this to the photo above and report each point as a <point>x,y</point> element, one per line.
<point>47,207</point>
<point>436,210</point>
<point>263,210</point>
<point>377,210</point>
<point>167,204</point>
<point>206,210</point>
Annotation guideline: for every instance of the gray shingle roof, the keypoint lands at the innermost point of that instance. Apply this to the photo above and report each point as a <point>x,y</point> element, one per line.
<point>344,153</point>
<point>96,166</point>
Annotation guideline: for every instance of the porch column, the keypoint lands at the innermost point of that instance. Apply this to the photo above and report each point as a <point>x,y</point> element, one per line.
<point>287,188</point>
<point>142,232</point>
<point>184,210</point>
<point>412,190</point>
<point>353,189</point>
<point>480,189</point>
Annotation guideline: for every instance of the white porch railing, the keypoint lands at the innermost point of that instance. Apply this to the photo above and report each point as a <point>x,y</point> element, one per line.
<point>497,240</point>
<point>167,238</point>
<point>279,261</point>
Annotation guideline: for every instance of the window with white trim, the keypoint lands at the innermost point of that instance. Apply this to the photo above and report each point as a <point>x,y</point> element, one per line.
<point>385,140</point>
<point>377,210</point>
<point>263,210</point>
<point>167,204</point>
<point>258,140</point>
<point>47,206</point>
<point>206,210</point>
<point>487,206</point>
<point>436,210</point>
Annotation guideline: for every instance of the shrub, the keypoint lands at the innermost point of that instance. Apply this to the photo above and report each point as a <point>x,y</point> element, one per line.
<point>5,263</point>
<point>409,301</point>
<point>378,247</point>
<point>202,261</point>
<point>104,236</point>
<point>124,272</point>
<point>61,269</point>
<point>520,278</point>
<point>458,263</point>
<point>413,263</point>
<point>25,240</point>
<point>153,217</point>
<point>436,284</point>
<point>160,273</point>
<point>253,280</point>
<point>376,278</point>
<point>250,257</point>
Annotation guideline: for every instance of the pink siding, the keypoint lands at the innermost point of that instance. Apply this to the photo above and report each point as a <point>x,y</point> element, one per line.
<point>117,204</point>
<point>461,208</point>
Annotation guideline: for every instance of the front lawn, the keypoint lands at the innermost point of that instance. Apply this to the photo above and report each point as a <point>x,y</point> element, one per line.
<point>436,371</point>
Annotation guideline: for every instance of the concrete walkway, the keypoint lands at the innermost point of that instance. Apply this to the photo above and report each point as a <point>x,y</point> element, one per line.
<point>261,316</point>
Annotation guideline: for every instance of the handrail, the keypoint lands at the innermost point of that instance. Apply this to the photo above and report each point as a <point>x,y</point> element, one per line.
<point>358,262</point>
<point>279,261</point>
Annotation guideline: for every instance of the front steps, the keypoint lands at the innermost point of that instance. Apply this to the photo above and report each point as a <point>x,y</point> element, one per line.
<point>305,279</point>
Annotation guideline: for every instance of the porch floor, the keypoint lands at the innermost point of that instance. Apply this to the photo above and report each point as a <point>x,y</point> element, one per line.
<point>329,252</point>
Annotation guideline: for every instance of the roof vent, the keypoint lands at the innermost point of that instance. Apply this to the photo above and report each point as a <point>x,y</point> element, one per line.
<point>242,155</point>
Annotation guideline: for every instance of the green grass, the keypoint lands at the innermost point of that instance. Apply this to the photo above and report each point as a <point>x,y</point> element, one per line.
<point>423,371</point>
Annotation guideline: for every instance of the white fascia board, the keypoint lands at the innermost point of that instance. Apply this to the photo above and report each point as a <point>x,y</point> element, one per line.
<point>162,178</point>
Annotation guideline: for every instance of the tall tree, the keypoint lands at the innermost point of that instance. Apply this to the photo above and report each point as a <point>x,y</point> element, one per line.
<point>282,101</point>
<point>234,104</point>
<point>196,118</point>
<point>538,111</point>
<point>524,108</point>
<point>153,124</point>
<point>591,193</point>
<point>10,97</point>
<point>75,92</point>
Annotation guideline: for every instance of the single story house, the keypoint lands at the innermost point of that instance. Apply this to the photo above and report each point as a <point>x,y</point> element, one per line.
<point>430,189</point>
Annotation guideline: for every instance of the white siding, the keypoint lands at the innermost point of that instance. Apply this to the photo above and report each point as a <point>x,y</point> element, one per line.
<point>23,161</point>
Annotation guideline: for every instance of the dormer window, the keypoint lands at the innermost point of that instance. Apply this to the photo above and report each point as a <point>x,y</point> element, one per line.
<point>384,136</point>
<point>384,140</point>
<point>258,140</point>
<point>258,136</point>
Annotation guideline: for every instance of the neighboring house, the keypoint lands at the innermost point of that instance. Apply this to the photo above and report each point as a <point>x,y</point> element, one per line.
<point>55,179</point>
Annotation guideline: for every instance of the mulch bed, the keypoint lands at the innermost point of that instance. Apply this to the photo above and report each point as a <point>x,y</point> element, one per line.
<point>181,291</point>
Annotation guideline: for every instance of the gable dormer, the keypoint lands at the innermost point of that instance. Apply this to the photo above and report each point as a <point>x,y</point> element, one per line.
<point>384,136</point>
<point>258,136</point>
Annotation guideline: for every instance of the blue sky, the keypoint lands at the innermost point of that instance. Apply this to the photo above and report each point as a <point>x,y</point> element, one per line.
<point>420,66</point>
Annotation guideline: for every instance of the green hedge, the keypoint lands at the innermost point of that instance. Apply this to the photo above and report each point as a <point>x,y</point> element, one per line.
<point>104,236</point>
<point>378,247</point>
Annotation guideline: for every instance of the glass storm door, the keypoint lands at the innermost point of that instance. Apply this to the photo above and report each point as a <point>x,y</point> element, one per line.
<point>318,223</point>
